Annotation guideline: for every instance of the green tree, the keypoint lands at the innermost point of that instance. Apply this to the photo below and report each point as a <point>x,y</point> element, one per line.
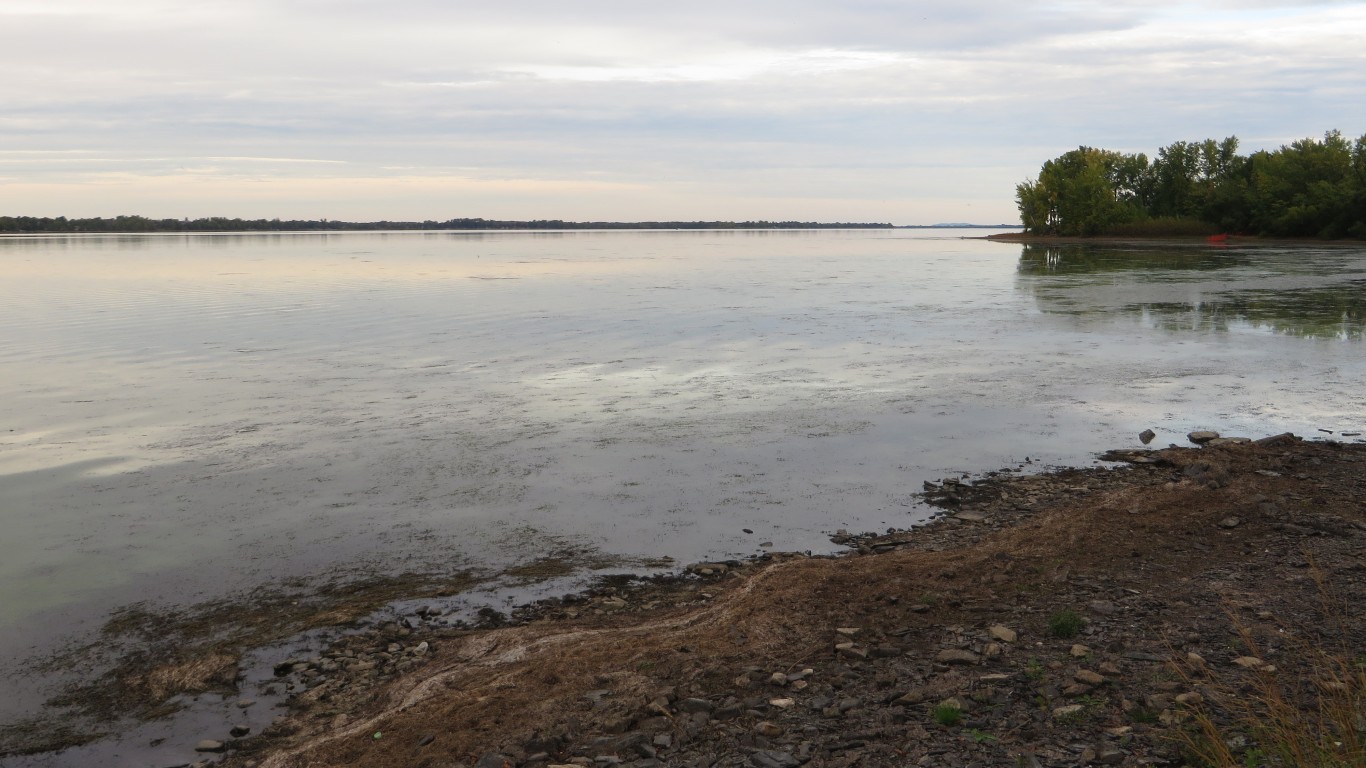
<point>1083,192</point>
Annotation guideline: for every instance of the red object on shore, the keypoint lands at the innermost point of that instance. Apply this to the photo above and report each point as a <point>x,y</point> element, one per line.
<point>1222,238</point>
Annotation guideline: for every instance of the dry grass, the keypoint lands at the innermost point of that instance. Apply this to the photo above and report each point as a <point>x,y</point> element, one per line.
<point>193,676</point>
<point>1309,716</point>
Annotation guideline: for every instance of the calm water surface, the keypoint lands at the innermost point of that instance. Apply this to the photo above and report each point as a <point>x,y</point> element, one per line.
<point>185,416</point>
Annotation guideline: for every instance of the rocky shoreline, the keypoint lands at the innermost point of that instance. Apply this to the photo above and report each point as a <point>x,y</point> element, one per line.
<point>1079,617</point>
<point>1076,617</point>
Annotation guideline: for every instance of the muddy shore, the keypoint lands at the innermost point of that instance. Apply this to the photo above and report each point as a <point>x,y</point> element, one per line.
<point>1082,616</point>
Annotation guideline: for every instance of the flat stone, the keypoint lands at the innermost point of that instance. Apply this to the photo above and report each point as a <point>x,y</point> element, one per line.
<point>1079,651</point>
<point>971,517</point>
<point>1103,607</point>
<point>957,656</point>
<point>695,705</point>
<point>768,758</point>
<point>210,745</point>
<point>1108,754</point>
<point>238,731</point>
<point>782,703</point>
<point>1200,437</point>
<point>1230,522</point>
<point>1004,634</point>
<point>1249,662</point>
<point>1067,711</point>
<point>1088,677</point>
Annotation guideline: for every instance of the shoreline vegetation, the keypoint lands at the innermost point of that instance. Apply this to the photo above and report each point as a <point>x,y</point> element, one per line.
<point>1113,615</point>
<point>1310,188</point>
<point>141,224</point>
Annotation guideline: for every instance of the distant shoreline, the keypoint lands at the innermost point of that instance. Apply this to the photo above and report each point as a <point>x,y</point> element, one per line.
<point>61,225</point>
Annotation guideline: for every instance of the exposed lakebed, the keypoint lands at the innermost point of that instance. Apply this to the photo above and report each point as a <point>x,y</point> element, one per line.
<point>187,418</point>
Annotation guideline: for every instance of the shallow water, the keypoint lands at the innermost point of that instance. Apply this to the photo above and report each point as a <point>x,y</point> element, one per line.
<point>186,416</point>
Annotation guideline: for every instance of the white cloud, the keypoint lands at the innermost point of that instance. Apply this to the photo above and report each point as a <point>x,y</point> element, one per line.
<point>763,101</point>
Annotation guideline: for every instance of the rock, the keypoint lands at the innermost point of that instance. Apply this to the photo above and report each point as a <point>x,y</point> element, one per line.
<point>1108,754</point>
<point>421,648</point>
<point>1088,677</point>
<point>971,517</point>
<point>244,703</point>
<point>426,739</point>
<point>1189,699</point>
<point>1062,713</point>
<point>782,703</point>
<point>847,631</point>
<point>1249,662</point>
<point>848,650</point>
<point>1102,607</point>
<point>1283,439</point>
<point>1158,701</point>
<point>1218,441</point>
<point>1079,651</point>
<point>695,705</point>
<point>1003,634</point>
<point>1200,437</point>
<point>957,656</point>
<point>1146,436</point>
<point>778,679</point>
<point>210,745</point>
<point>493,760</point>
<point>767,758</point>
<point>1230,522</point>
<point>238,731</point>
<point>768,730</point>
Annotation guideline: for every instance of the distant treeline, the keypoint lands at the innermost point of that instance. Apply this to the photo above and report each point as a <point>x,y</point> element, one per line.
<point>35,224</point>
<point>1310,188</point>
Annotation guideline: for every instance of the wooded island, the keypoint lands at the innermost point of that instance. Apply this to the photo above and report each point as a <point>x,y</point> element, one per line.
<point>1310,188</point>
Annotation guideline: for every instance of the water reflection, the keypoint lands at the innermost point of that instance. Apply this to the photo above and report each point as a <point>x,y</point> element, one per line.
<point>1308,292</point>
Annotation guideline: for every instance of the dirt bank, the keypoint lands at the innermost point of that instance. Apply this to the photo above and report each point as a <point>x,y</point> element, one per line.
<point>1082,616</point>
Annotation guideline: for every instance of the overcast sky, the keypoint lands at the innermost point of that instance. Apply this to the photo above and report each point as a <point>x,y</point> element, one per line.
<point>859,110</point>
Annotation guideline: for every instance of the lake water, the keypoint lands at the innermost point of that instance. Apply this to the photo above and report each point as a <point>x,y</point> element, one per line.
<point>183,417</point>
